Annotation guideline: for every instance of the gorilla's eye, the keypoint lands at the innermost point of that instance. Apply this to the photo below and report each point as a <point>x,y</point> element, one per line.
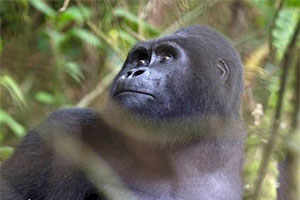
<point>166,58</point>
<point>141,62</point>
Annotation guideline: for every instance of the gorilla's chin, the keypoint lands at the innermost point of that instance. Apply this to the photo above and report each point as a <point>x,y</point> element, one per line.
<point>137,103</point>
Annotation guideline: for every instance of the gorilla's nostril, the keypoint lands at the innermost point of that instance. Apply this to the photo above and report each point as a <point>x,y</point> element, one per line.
<point>139,72</point>
<point>128,74</point>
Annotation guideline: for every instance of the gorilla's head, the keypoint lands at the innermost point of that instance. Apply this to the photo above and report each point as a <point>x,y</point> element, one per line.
<point>193,72</point>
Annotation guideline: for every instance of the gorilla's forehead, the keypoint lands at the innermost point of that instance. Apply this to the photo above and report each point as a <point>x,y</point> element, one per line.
<point>194,38</point>
<point>175,39</point>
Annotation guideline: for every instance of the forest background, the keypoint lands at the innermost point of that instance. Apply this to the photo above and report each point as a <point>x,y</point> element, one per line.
<point>64,53</point>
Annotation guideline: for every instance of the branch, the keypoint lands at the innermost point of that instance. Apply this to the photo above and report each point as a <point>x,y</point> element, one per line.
<point>102,85</point>
<point>65,5</point>
<point>285,64</point>
<point>295,115</point>
<point>98,32</point>
<point>189,16</point>
<point>143,14</point>
<point>292,155</point>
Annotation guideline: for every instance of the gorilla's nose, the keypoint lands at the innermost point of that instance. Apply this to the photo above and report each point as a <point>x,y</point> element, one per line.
<point>141,71</point>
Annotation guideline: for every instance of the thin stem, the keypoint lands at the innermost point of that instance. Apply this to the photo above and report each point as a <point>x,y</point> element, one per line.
<point>285,64</point>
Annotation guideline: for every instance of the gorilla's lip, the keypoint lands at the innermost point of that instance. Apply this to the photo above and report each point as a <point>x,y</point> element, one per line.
<point>134,91</point>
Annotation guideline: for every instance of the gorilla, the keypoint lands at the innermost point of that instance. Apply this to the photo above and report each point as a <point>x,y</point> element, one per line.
<point>172,130</point>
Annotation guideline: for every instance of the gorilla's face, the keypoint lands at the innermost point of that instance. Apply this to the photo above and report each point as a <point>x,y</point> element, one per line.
<point>151,80</point>
<point>172,77</point>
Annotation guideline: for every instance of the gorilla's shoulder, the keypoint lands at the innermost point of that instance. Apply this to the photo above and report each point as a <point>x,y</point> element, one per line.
<point>73,118</point>
<point>76,114</point>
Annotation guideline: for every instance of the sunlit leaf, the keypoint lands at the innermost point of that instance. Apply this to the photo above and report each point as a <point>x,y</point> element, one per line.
<point>120,12</point>
<point>284,28</point>
<point>55,36</point>
<point>17,128</point>
<point>74,14</point>
<point>74,70</point>
<point>45,97</point>
<point>292,3</point>
<point>5,152</point>
<point>87,36</point>
<point>273,88</point>
<point>125,36</point>
<point>14,90</point>
<point>113,34</point>
<point>43,7</point>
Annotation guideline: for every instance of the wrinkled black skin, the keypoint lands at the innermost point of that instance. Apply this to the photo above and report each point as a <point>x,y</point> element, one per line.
<point>189,85</point>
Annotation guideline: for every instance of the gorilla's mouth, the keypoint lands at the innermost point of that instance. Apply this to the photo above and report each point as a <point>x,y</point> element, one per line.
<point>133,92</point>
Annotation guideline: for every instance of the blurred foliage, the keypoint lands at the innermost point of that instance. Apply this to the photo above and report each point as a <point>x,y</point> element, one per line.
<point>53,57</point>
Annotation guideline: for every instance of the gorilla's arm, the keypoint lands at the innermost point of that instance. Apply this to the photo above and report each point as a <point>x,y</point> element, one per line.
<point>24,171</point>
<point>205,170</point>
<point>35,171</point>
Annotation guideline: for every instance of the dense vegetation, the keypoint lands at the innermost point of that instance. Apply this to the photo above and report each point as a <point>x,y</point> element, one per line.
<point>64,53</point>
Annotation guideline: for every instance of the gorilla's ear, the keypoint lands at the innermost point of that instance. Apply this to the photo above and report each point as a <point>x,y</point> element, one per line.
<point>223,70</point>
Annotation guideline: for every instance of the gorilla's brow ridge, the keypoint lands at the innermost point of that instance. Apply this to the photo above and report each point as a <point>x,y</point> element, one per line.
<point>153,45</point>
<point>139,49</point>
<point>166,43</point>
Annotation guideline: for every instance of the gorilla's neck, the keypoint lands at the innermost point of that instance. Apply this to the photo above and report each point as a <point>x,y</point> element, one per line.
<point>174,132</point>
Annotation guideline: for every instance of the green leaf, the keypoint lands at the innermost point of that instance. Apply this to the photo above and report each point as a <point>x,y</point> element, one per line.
<point>73,14</point>
<point>285,24</point>
<point>17,128</point>
<point>5,152</point>
<point>43,7</point>
<point>57,37</point>
<point>120,12</point>
<point>273,89</point>
<point>45,97</point>
<point>74,70</point>
<point>292,3</point>
<point>86,36</point>
<point>125,36</point>
<point>14,90</point>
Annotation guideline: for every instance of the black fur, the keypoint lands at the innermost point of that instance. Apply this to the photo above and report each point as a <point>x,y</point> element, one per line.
<point>180,135</point>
